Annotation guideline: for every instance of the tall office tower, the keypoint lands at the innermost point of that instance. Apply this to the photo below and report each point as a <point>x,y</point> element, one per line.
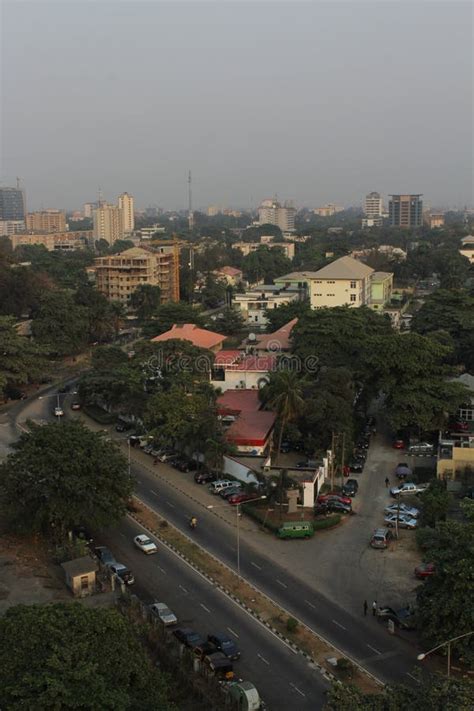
<point>373,205</point>
<point>12,204</point>
<point>405,210</point>
<point>89,208</point>
<point>125,203</point>
<point>108,223</point>
<point>271,212</point>
<point>46,221</point>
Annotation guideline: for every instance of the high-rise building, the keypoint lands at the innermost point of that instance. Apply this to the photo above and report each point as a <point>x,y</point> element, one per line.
<point>108,223</point>
<point>271,212</point>
<point>12,204</point>
<point>125,203</point>
<point>11,227</point>
<point>119,275</point>
<point>373,210</point>
<point>405,210</point>
<point>46,221</point>
<point>89,208</point>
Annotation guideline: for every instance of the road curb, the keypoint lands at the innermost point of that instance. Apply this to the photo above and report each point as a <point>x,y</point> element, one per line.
<point>324,672</point>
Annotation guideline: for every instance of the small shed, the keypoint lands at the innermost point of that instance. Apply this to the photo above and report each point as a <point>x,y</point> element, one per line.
<point>80,575</point>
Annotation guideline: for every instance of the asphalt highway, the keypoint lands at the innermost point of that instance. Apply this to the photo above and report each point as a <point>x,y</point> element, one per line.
<point>283,677</point>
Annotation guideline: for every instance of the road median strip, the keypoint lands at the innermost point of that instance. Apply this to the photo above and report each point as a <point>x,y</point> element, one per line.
<point>303,640</point>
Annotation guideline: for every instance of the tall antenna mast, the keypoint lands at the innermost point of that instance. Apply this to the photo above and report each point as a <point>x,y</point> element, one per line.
<point>101,197</point>
<point>190,204</point>
<point>18,183</point>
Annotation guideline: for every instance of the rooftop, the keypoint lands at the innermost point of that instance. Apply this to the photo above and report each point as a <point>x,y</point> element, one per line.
<point>380,276</point>
<point>199,337</point>
<point>237,401</point>
<point>344,268</point>
<point>226,357</point>
<point>278,340</point>
<point>229,271</point>
<point>236,360</point>
<point>251,428</point>
<point>80,566</point>
<point>296,276</point>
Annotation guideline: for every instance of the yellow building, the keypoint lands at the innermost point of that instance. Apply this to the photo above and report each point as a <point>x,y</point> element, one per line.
<point>46,221</point>
<point>434,219</point>
<point>125,203</point>
<point>117,276</point>
<point>344,282</point>
<point>288,248</point>
<point>381,287</point>
<point>55,240</point>
<point>108,223</point>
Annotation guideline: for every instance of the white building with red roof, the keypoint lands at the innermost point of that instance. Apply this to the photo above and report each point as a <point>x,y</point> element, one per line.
<point>248,428</point>
<point>237,370</point>
<point>231,275</point>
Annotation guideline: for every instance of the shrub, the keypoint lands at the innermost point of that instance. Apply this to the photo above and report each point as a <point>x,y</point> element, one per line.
<point>291,624</point>
<point>345,667</point>
<point>329,522</point>
<point>259,515</point>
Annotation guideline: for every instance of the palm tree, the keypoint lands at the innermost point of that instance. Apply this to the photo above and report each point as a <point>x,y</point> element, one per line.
<point>283,394</point>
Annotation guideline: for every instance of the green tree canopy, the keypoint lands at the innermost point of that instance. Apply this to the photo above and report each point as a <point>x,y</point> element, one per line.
<point>145,301</point>
<point>286,312</point>
<point>61,475</point>
<point>265,263</point>
<point>101,313</point>
<point>61,326</point>
<point>229,322</point>
<point>284,394</point>
<point>168,314</point>
<point>68,656</point>
<point>20,359</point>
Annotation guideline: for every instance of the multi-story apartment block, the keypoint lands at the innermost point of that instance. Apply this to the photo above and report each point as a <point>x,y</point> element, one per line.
<point>54,240</point>
<point>108,223</point>
<point>288,248</point>
<point>328,210</point>
<point>405,210</point>
<point>373,210</point>
<point>254,302</point>
<point>46,221</point>
<point>118,275</point>
<point>125,203</point>
<point>12,204</point>
<point>89,208</point>
<point>11,227</point>
<point>271,212</point>
<point>434,219</point>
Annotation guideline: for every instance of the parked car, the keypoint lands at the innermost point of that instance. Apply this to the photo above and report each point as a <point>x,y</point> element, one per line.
<point>421,448</point>
<point>336,506</point>
<point>356,466</point>
<point>241,498</point>
<point>12,393</point>
<point>58,411</point>
<point>123,572</point>
<point>321,509</point>
<point>334,495</point>
<point>399,444</point>
<point>163,613</point>
<point>204,477</point>
<point>145,544</point>
<point>104,555</point>
<point>224,644</point>
<point>425,570</point>
<point>381,538</point>
<point>403,618</point>
<point>236,489</point>
<point>402,470</point>
<point>296,529</point>
<point>408,488</point>
<point>183,464</point>
<point>123,426</point>
<point>404,521</point>
<point>220,485</point>
<point>75,405</point>
<point>350,487</point>
<point>403,509</point>
<point>219,665</point>
<point>188,637</point>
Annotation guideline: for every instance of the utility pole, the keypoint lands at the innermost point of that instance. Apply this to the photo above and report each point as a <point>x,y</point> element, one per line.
<point>190,205</point>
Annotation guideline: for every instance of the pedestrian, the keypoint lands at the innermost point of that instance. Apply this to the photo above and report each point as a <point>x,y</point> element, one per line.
<point>374,607</point>
<point>365,608</point>
<point>387,481</point>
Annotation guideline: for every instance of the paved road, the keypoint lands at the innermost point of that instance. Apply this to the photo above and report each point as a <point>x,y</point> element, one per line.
<point>283,677</point>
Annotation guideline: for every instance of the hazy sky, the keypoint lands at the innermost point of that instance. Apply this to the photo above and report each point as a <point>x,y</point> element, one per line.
<point>314,101</point>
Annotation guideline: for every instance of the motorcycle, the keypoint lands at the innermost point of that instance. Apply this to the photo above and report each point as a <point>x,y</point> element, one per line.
<point>193,522</point>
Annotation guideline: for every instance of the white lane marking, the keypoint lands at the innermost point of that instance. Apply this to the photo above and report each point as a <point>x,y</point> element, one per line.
<point>413,677</point>
<point>183,589</point>
<point>154,492</point>
<point>255,565</point>
<point>293,686</point>
<point>263,659</point>
<point>373,649</point>
<point>310,604</point>
<point>162,570</point>
<point>338,624</point>
<point>205,608</point>
<point>170,504</point>
<point>232,632</point>
<point>280,583</point>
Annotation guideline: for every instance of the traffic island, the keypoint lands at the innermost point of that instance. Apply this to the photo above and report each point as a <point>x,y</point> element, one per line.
<point>292,631</point>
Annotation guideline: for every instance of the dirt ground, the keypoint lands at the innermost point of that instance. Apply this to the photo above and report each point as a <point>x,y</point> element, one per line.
<point>26,576</point>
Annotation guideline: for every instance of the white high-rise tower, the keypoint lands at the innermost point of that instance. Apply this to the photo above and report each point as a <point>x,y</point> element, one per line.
<point>125,203</point>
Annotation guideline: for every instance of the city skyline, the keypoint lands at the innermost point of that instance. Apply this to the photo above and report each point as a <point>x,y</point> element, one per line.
<point>320,105</point>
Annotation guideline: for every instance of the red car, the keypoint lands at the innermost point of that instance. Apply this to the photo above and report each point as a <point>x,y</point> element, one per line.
<point>461,427</point>
<point>334,496</point>
<point>399,444</point>
<point>425,570</point>
<point>242,498</point>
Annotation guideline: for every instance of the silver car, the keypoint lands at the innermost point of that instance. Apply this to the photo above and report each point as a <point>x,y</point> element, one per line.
<point>163,613</point>
<point>403,521</point>
<point>410,511</point>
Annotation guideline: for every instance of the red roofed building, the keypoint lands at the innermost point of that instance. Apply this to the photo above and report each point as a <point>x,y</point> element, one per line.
<point>231,275</point>
<point>252,431</point>
<point>278,341</point>
<point>233,402</point>
<point>199,337</point>
<point>235,369</point>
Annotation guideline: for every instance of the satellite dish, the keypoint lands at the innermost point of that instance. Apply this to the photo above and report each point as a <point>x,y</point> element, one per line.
<point>252,337</point>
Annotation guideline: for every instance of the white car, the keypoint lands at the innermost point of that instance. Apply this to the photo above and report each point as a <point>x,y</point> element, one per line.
<point>58,412</point>
<point>145,544</point>
<point>163,612</point>
<point>403,521</point>
<point>408,488</point>
<point>410,511</point>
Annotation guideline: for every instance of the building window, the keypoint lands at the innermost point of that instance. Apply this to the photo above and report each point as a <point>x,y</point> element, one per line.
<point>353,297</point>
<point>353,285</point>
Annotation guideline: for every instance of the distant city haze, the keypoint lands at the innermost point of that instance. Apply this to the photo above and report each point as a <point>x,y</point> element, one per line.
<point>311,101</point>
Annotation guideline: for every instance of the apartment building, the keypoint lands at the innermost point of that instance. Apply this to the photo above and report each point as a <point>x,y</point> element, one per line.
<point>467,248</point>
<point>381,287</point>
<point>373,210</point>
<point>254,302</point>
<point>108,223</point>
<point>405,210</point>
<point>65,241</point>
<point>271,212</point>
<point>125,203</point>
<point>328,210</point>
<point>11,227</point>
<point>434,220</point>
<point>12,204</point>
<point>118,275</point>
<point>288,248</point>
<point>46,221</point>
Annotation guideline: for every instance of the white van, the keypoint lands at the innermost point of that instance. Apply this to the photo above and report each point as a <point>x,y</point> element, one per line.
<point>220,485</point>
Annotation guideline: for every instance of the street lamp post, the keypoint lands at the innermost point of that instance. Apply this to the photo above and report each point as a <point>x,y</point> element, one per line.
<point>237,510</point>
<point>421,656</point>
